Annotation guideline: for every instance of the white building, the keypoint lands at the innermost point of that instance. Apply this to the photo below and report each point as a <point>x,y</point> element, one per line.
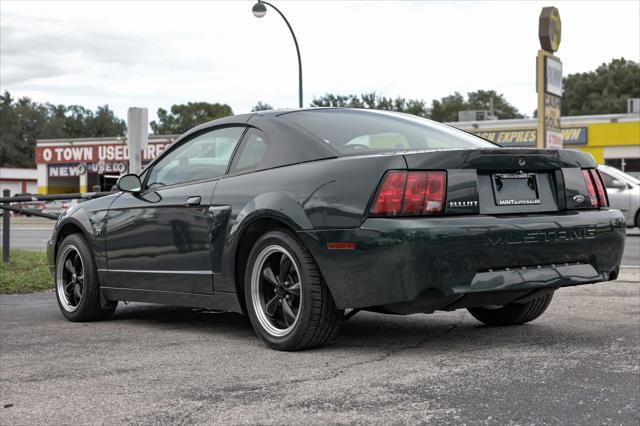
<point>18,181</point>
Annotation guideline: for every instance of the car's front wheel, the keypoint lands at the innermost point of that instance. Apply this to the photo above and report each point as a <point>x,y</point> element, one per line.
<point>76,282</point>
<point>512,313</point>
<point>289,305</point>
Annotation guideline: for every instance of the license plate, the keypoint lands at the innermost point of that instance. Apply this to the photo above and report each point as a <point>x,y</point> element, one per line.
<point>515,189</point>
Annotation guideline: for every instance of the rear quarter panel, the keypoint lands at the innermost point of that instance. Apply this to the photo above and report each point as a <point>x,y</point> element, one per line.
<point>325,194</point>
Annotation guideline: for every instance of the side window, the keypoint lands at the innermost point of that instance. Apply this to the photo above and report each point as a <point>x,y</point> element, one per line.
<point>608,180</point>
<point>203,157</point>
<point>253,153</point>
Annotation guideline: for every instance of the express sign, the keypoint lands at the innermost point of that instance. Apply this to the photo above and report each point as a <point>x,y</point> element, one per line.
<point>94,153</point>
<point>527,137</point>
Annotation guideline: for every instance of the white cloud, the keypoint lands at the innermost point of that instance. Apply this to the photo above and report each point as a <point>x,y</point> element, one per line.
<point>155,54</point>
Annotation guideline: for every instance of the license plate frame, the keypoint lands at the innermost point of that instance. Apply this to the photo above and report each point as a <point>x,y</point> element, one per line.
<point>515,189</point>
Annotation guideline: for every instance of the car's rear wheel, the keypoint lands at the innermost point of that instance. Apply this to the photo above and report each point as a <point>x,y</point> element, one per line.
<point>289,305</point>
<point>512,313</point>
<point>76,282</point>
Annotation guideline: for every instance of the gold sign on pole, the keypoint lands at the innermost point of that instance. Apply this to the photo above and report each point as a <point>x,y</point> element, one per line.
<point>549,80</point>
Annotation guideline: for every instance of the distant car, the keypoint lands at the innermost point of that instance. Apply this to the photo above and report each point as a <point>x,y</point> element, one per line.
<point>624,193</point>
<point>294,216</point>
<point>58,206</point>
<point>30,205</point>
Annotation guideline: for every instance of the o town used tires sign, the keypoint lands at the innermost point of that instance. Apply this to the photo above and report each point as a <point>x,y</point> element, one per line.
<point>108,153</point>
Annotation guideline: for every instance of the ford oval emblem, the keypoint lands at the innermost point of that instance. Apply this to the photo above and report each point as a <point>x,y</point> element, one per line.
<point>521,162</point>
<point>578,198</point>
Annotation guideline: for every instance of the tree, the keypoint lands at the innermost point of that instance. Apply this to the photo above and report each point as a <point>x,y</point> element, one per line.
<point>447,108</point>
<point>603,91</point>
<point>483,99</point>
<point>22,122</point>
<point>373,101</point>
<point>186,116</point>
<point>261,106</point>
<point>104,123</point>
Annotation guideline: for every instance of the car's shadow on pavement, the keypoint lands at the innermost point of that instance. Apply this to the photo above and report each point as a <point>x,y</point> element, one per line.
<point>375,333</point>
<point>176,317</point>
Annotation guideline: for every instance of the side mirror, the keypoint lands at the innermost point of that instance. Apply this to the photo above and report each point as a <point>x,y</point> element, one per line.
<point>129,183</point>
<point>619,184</point>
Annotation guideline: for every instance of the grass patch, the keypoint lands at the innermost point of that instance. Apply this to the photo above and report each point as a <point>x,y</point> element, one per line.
<point>25,273</point>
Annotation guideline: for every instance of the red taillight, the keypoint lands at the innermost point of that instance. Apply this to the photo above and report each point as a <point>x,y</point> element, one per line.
<point>389,199</point>
<point>434,196</point>
<point>410,194</point>
<point>414,193</point>
<point>602,193</point>
<point>591,189</point>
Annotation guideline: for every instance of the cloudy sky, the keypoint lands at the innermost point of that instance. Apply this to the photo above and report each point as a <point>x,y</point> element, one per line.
<point>156,54</point>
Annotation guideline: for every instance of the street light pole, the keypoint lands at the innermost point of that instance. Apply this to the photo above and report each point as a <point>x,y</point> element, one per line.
<point>259,10</point>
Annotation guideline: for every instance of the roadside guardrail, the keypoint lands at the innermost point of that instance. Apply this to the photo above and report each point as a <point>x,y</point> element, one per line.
<point>5,205</point>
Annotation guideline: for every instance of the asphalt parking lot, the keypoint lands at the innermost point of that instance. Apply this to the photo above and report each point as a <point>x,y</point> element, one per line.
<point>577,364</point>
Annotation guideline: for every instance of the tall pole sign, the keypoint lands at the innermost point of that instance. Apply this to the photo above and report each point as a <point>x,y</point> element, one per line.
<point>549,80</point>
<point>137,136</point>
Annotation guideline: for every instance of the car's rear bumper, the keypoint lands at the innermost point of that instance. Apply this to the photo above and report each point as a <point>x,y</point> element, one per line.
<point>406,263</point>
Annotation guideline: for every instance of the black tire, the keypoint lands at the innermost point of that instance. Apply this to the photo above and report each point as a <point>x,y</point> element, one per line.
<point>512,313</point>
<point>87,306</point>
<point>637,220</point>
<point>317,319</point>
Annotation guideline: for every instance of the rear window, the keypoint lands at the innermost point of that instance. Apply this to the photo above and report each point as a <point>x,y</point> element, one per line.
<point>356,131</point>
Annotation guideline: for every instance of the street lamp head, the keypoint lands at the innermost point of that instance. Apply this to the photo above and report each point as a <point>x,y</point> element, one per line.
<point>259,10</point>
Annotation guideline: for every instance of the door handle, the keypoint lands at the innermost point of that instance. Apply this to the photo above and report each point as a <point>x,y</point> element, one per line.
<point>192,201</point>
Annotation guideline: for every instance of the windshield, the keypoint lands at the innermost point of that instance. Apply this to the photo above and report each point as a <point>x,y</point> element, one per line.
<point>619,174</point>
<point>356,131</point>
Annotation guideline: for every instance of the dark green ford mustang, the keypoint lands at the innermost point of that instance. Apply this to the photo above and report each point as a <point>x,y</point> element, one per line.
<point>293,217</point>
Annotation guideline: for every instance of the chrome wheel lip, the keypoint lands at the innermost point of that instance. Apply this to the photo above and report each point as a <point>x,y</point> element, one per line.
<point>60,280</point>
<point>258,303</point>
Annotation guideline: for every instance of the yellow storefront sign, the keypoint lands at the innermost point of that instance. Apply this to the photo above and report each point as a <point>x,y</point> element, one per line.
<point>528,137</point>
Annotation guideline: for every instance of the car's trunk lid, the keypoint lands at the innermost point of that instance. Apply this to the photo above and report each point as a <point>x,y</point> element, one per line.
<point>507,180</point>
<point>502,159</point>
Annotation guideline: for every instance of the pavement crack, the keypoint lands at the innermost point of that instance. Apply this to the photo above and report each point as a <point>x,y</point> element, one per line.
<point>339,371</point>
<point>392,352</point>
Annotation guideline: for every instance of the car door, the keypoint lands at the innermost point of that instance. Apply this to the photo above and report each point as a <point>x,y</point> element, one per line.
<point>160,239</point>
<point>619,198</point>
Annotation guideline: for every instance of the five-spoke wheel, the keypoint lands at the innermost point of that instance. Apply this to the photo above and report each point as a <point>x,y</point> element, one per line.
<point>76,282</point>
<point>289,305</point>
<point>70,278</point>
<point>275,286</point>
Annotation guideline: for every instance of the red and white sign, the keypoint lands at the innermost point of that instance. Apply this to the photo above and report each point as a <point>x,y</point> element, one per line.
<point>553,139</point>
<point>108,153</point>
